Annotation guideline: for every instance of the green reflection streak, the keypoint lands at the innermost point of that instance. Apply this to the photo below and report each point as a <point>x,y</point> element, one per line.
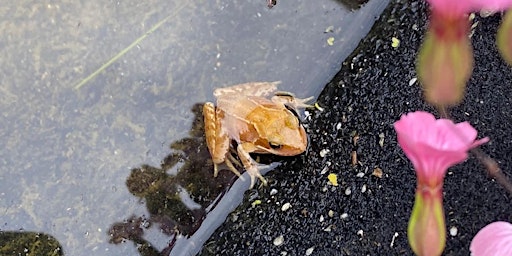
<point>133,44</point>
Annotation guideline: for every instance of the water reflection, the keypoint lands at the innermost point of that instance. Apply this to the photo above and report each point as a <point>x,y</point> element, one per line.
<point>28,243</point>
<point>353,4</point>
<point>178,194</point>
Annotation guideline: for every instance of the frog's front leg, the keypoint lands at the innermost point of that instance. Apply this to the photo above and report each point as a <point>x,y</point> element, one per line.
<point>249,164</point>
<point>289,99</point>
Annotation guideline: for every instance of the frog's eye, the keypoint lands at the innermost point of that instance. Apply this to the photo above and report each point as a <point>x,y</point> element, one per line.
<point>293,110</point>
<point>274,145</point>
<point>284,94</point>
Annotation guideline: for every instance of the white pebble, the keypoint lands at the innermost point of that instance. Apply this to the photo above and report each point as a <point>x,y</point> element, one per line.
<point>363,189</point>
<point>279,240</point>
<point>344,215</point>
<point>453,231</point>
<point>324,170</point>
<point>393,240</point>
<point>309,251</point>
<point>412,81</point>
<point>321,218</point>
<point>273,191</point>
<point>348,191</point>
<point>324,152</point>
<point>360,232</point>
<point>286,206</point>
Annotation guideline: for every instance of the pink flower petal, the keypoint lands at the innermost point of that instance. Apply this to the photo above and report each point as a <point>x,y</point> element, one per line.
<point>494,239</point>
<point>434,145</point>
<point>466,6</point>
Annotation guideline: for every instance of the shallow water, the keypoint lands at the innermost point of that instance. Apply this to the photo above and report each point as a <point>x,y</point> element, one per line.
<point>68,152</point>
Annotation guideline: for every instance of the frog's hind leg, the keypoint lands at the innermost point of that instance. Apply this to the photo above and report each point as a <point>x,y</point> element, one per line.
<point>232,167</point>
<point>233,159</point>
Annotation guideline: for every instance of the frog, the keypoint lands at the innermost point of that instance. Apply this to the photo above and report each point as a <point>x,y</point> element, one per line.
<point>259,119</point>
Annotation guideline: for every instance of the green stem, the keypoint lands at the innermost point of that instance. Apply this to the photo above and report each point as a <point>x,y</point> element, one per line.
<point>125,50</point>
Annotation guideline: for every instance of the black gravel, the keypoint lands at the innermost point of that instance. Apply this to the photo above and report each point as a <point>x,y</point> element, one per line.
<point>363,100</point>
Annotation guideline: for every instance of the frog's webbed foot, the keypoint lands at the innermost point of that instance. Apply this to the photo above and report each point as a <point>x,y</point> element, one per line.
<point>250,166</point>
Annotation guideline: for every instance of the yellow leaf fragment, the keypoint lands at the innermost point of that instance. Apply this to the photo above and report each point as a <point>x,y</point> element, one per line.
<point>317,106</point>
<point>333,178</point>
<point>256,202</point>
<point>395,42</point>
<point>330,41</point>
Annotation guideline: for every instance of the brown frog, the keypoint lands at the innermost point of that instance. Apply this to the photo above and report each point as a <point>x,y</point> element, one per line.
<point>245,114</point>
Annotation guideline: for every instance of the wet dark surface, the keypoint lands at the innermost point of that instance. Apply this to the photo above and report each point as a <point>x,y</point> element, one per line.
<point>367,214</point>
<point>67,153</point>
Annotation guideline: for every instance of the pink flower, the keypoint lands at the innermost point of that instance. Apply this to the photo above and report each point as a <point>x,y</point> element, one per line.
<point>494,239</point>
<point>432,146</point>
<point>445,60</point>
<point>458,7</point>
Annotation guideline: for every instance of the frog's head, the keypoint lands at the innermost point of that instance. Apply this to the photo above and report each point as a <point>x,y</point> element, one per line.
<point>284,136</point>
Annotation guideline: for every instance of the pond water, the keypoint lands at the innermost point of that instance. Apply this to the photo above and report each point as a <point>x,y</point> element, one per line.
<point>68,153</point>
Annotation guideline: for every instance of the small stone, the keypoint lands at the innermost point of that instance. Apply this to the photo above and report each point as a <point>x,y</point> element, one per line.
<point>453,231</point>
<point>279,240</point>
<point>324,152</point>
<point>330,213</point>
<point>309,251</point>
<point>393,240</point>
<point>363,189</point>
<point>413,81</point>
<point>324,170</point>
<point>286,206</point>
<point>273,191</point>
<point>344,215</point>
<point>360,174</point>
<point>360,233</point>
<point>381,139</point>
<point>348,191</point>
<point>321,218</point>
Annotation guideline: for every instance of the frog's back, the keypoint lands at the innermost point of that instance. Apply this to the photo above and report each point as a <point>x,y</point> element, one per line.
<point>261,89</point>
